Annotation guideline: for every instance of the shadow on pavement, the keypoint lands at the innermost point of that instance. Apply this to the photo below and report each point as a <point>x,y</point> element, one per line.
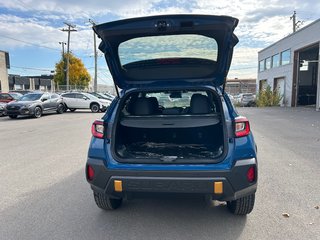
<point>66,210</point>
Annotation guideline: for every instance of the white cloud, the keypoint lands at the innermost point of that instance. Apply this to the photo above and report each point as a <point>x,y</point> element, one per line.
<point>262,22</point>
<point>77,8</point>
<point>244,63</point>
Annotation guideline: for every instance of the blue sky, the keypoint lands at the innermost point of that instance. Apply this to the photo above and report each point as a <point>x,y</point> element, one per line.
<point>30,30</point>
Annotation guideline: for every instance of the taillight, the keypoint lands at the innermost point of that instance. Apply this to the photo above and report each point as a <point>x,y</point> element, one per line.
<point>242,127</point>
<point>251,174</point>
<point>90,173</point>
<point>97,129</point>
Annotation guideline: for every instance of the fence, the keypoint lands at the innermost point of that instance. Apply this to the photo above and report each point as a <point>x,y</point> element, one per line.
<point>62,88</point>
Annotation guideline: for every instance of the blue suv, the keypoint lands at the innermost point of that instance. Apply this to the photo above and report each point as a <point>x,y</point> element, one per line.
<point>172,128</point>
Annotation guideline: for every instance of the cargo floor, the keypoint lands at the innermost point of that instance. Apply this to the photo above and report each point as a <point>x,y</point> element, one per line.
<point>168,150</point>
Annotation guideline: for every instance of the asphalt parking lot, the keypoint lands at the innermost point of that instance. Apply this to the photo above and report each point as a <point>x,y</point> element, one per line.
<point>44,194</point>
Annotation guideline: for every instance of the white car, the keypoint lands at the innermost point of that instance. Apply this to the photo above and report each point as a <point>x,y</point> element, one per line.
<point>245,99</point>
<point>79,100</point>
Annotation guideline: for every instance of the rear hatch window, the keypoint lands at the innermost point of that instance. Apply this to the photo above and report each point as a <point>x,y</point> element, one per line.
<point>168,47</point>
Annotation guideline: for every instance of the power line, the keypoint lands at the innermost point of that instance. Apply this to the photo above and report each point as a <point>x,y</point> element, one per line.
<point>103,80</point>
<point>31,68</point>
<point>30,43</point>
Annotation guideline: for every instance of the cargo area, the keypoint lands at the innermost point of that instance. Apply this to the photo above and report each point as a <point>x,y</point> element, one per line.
<point>170,127</point>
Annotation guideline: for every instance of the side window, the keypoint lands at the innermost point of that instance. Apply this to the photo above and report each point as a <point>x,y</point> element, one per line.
<point>4,96</point>
<point>54,96</point>
<point>45,96</point>
<point>79,95</point>
<point>69,95</point>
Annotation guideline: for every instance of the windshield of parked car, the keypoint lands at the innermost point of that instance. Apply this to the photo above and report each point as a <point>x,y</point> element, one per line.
<point>173,46</point>
<point>16,96</point>
<point>105,96</point>
<point>90,96</point>
<point>31,97</point>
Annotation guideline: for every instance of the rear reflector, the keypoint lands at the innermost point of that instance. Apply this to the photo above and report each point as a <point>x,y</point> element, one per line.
<point>251,174</point>
<point>90,173</point>
<point>218,187</point>
<point>97,129</point>
<point>242,127</point>
<point>118,185</point>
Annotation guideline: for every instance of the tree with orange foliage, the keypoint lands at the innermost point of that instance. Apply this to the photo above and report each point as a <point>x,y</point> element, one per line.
<point>78,74</point>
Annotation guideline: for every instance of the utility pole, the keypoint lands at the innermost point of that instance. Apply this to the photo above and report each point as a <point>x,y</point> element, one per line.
<point>69,30</point>
<point>95,81</point>
<point>64,62</point>
<point>294,21</point>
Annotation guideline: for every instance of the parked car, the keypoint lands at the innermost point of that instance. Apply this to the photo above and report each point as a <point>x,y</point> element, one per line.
<point>35,104</point>
<point>101,96</point>
<point>246,99</point>
<point>2,106</point>
<point>10,96</point>
<point>199,145</point>
<point>109,95</point>
<point>79,100</point>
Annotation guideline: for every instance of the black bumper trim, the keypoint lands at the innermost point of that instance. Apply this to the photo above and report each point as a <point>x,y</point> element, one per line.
<point>235,184</point>
<point>26,112</point>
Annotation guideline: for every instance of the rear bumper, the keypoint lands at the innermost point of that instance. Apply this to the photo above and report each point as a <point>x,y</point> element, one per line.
<point>234,181</point>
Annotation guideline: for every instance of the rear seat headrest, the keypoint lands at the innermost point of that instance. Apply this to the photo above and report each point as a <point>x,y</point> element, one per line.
<point>199,104</point>
<point>155,103</point>
<point>142,106</point>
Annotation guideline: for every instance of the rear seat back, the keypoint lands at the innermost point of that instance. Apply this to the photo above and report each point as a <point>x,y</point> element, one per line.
<point>144,106</point>
<point>199,104</point>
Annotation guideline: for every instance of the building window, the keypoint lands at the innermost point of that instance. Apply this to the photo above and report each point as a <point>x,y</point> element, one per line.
<point>276,60</point>
<point>263,85</point>
<point>18,87</point>
<point>261,66</point>
<point>268,63</point>
<point>285,57</point>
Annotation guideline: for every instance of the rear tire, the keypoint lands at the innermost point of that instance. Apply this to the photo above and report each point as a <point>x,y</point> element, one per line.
<point>60,109</point>
<point>37,112</point>
<point>72,109</point>
<point>242,206</point>
<point>105,202</point>
<point>95,108</point>
<point>13,116</point>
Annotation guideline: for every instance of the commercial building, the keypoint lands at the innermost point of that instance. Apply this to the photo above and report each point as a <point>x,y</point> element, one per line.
<point>4,66</point>
<point>291,66</point>
<point>22,83</point>
<point>31,83</point>
<point>237,86</point>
